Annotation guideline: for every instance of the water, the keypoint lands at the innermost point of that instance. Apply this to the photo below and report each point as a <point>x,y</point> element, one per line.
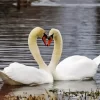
<point>78,22</point>
<point>62,85</point>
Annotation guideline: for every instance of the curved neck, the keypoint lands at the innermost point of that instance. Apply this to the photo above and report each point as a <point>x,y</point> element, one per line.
<point>56,55</point>
<point>32,42</point>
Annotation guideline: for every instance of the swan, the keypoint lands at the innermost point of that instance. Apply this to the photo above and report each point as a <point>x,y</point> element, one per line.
<point>18,74</point>
<point>72,68</point>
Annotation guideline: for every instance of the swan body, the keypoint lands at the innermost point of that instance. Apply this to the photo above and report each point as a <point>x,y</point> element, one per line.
<point>18,74</point>
<point>27,74</point>
<point>72,68</point>
<point>76,68</point>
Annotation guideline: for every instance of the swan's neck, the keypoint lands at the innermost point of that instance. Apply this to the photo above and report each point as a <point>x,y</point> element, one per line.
<point>32,42</point>
<point>58,45</point>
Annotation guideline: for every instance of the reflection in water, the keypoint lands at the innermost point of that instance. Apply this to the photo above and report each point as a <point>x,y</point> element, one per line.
<point>5,89</point>
<point>62,85</point>
<point>75,85</point>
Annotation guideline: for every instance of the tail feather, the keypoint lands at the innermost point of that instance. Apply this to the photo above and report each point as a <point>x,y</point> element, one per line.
<point>8,80</point>
<point>97,60</point>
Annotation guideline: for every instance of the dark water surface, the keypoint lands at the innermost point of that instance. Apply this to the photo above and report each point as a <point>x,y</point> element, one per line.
<point>78,21</point>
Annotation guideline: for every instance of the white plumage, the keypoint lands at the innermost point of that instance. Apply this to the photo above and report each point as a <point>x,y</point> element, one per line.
<point>71,68</point>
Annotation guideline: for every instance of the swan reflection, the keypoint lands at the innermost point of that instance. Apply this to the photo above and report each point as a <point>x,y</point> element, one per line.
<point>75,85</point>
<point>40,89</point>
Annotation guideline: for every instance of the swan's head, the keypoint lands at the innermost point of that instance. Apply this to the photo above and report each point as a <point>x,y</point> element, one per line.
<point>38,32</point>
<point>52,35</point>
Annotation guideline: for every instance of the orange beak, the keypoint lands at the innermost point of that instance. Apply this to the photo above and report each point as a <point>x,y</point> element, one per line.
<point>49,41</point>
<point>44,40</point>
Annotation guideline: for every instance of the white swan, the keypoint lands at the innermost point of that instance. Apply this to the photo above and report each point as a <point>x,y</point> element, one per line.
<point>17,74</point>
<point>72,68</point>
